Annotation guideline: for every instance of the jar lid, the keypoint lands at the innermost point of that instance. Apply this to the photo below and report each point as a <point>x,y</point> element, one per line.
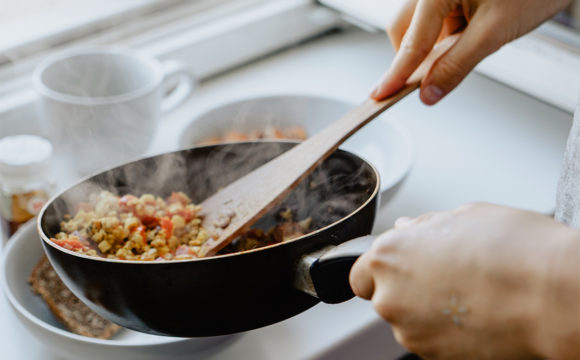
<point>23,157</point>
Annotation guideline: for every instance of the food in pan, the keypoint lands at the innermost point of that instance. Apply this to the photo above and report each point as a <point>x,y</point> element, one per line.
<point>269,132</point>
<point>134,228</point>
<point>65,306</point>
<point>151,228</point>
<point>286,229</point>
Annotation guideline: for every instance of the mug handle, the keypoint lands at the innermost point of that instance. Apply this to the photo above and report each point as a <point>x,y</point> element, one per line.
<point>184,85</point>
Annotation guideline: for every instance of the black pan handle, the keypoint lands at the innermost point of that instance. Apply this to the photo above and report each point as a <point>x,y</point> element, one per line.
<point>330,271</point>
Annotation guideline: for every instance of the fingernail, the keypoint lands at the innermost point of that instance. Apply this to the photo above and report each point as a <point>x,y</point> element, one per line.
<point>431,94</point>
<point>378,86</point>
<point>403,220</point>
<point>375,91</point>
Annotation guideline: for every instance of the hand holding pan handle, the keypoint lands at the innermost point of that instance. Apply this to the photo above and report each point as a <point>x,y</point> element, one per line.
<point>324,273</point>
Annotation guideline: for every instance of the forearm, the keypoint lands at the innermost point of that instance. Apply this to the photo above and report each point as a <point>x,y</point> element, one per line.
<point>557,334</point>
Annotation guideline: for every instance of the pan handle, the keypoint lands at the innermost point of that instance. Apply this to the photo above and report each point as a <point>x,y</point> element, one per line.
<point>329,272</point>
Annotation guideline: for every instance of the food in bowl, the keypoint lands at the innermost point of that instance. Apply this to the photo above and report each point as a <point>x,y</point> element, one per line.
<point>295,132</point>
<point>151,228</point>
<point>65,306</point>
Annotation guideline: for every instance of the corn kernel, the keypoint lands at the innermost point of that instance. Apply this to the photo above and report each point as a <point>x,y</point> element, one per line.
<point>104,246</point>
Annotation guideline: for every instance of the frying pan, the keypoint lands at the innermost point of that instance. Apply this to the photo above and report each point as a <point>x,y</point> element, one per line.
<point>233,292</point>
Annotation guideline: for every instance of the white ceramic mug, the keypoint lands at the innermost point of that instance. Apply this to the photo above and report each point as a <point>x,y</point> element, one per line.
<point>101,105</point>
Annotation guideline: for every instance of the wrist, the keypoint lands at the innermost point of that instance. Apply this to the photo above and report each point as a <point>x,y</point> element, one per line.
<point>555,323</point>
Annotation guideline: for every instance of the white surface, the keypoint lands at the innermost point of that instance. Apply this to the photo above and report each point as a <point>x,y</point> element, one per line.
<point>484,142</point>
<point>385,144</point>
<point>549,71</point>
<point>377,13</point>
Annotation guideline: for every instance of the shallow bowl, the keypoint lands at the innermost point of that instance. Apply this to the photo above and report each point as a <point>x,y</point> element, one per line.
<point>22,253</point>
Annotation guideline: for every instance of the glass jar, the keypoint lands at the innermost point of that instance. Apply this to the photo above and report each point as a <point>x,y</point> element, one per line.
<point>25,180</point>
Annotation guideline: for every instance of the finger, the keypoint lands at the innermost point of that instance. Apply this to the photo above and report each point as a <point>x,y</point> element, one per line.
<point>403,221</point>
<point>397,29</point>
<point>477,41</point>
<point>468,207</point>
<point>387,301</point>
<point>409,221</point>
<point>420,338</point>
<point>451,25</point>
<point>361,278</point>
<point>400,337</point>
<point>416,44</point>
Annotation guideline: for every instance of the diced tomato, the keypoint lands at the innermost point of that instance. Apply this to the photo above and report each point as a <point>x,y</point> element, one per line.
<point>85,207</point>
<point>149,221</point>
<point>128,203</point>
<point>178,197</point>
<point>185,213</point>
<point>141,229</point>
<point>184,250</point>
<point>70,244</point>
<point>132,226</point>
<point>167,225</point>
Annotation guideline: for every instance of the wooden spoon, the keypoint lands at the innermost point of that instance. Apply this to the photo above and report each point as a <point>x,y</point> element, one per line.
<point>235,208</point>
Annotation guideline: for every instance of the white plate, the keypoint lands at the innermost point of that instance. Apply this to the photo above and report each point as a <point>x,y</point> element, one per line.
<point>383,143</point>
<point>21,255</point>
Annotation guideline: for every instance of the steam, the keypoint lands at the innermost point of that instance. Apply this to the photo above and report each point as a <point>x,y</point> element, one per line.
<point>332,191</point>
<point>93,129</point>
<point>335,189</point>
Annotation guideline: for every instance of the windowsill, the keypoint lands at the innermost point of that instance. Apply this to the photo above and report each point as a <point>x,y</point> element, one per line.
<point>203,40</point>
<point>58,21</point>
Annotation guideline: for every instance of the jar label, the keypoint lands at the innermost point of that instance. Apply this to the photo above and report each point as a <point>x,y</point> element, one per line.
<point>17,209</point>
<point>35,204</point>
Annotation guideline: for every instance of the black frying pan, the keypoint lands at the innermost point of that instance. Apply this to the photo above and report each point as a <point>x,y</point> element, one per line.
<point>233,292</point>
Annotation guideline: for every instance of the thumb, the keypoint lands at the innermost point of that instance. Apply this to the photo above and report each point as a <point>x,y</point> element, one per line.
<point>479,39</point>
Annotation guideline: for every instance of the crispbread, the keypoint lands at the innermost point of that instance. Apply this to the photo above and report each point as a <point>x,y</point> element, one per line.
<point>65,306</point>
